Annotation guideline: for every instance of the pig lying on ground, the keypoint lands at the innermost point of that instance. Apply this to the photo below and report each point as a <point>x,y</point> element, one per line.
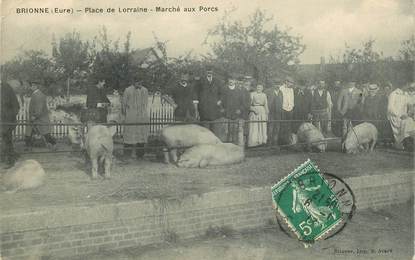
<point>309,134</point>
<point>360,137</point>
<point>99,147</point>
<point>183,136</point>
<point>203,155</point>
<point>24,175</point>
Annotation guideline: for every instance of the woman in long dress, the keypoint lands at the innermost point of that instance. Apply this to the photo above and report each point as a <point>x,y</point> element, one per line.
<point>258,112</point>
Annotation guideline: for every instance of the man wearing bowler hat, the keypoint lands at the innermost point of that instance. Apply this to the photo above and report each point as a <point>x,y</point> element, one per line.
<point>185,98</point>
<point>209,99</point>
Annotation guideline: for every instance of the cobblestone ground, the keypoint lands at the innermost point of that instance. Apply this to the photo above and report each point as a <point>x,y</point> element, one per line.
<point>372,234</point>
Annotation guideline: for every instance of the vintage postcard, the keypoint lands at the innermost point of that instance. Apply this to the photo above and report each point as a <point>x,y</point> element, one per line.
<point>195,129</point>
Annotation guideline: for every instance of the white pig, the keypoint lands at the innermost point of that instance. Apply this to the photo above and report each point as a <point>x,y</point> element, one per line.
<point>99,146</point>
<point>27,174</point>
<point>203,155</point>
<point>309,134</point>
<point>360,136</point>
<point>183,136</point>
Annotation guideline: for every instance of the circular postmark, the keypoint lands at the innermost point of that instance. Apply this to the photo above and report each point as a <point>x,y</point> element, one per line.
<point>313,206</point>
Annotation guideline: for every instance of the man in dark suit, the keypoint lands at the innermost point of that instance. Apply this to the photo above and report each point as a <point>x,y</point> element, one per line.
<point>9,110</point>
<point>233,106</point>
<point>274,100</point>
<point>301,105</point>
<point>39,117</point>
<point>97,102</point>
<point>185,99</point>
<point>209,91</point>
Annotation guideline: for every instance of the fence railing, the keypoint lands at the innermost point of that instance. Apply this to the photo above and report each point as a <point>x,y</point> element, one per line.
<point>158,112</point>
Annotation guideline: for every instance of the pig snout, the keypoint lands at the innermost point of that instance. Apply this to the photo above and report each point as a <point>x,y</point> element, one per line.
<point>24,175</point>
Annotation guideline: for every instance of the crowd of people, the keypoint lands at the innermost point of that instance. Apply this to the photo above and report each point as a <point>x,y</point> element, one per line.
<point>271,113</point>
<point>276,111</point>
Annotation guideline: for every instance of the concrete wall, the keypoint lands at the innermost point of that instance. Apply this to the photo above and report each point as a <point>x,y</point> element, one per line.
<point>70,231</point>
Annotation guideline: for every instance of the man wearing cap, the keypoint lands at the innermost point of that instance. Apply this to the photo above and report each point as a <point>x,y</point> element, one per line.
<point>209,99</point>
<point>134,109</point>
<point>349,99</point>
<point>97,100</point>
<point>287,112</point>
<point>9,110</point>
<point>38,117</point>
<point>185,99</point>
<point>274,100</point>
<point>320,107</point>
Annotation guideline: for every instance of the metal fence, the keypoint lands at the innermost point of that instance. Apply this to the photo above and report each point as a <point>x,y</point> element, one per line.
<point>159,112</point>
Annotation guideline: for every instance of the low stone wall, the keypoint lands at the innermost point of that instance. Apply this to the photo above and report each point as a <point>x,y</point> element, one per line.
<point>67,231</point>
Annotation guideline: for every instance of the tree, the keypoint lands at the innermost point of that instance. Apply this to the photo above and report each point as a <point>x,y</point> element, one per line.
<point>252,49</point>
<point>33,65</point>
<point>407,51</point>
<point>111,64</point>
<point>407,56</point>
<point>71,57</point>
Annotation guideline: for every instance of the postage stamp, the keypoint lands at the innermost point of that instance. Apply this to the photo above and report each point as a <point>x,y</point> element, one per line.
<point>306,202</point>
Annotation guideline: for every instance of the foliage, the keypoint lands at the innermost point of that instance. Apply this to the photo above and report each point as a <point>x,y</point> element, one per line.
<point>111,64</point>
<point>407,51</point>
<point>365,65</point>
<point>252,49</point>
<point>71,57</point>
<point>33,65</point>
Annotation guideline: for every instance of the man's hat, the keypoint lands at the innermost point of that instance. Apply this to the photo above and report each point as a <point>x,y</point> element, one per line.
<point>289,79</point>
<point>373,87</point>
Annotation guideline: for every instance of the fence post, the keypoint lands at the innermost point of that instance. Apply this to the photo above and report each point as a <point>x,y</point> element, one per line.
<point>241,141</point>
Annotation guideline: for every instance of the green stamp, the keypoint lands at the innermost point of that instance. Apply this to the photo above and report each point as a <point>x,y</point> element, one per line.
<point>306,203</point>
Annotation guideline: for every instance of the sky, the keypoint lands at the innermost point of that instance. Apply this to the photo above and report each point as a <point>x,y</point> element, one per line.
<point>324,25</point>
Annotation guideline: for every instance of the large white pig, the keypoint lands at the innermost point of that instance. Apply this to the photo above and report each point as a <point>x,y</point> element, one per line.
<point>183,136</point>
<point>99,146</point>
<point>309,134</point>
<point>27,174</point>
<point>360,136</point>
<point>203,155</point>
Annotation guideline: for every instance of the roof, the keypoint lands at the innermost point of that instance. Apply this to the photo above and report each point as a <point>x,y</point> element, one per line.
<point>148,55</point>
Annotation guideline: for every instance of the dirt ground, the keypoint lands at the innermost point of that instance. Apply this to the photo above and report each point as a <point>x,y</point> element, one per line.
<point>382,234</point>
<point>68,183</point>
